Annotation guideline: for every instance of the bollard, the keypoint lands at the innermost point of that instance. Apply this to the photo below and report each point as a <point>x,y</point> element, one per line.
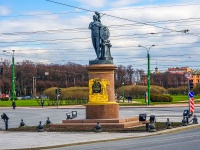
<point>68,115</point>
<point>5,118</point>
<point>97,128</point>
<point>147,126</point>
<point>142,117</point>
<point>168,124</point>
<point>152,119</point>
<point>22,124</point>
<point>185,115</point>
<point>74,114</point>
<point>195,120</point>
<point>40,127</point>
<point>48,122</point>
<point>184,121</point>
<point>152,127</point>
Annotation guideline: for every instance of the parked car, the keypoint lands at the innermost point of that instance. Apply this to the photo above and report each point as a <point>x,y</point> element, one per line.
<point>26,97</point>
<point>43,96</point>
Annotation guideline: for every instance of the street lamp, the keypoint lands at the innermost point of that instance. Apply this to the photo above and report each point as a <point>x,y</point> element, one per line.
<point>148,76</point>
<point>13,74</point>
<point>123,91</point>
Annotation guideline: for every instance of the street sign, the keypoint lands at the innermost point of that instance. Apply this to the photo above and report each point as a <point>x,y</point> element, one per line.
<point>191,94</point>
<point>146,98</point>
<point>188,75</point>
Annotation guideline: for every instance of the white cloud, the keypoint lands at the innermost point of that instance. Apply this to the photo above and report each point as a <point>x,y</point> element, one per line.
<point>124,38</point>
<point>4,10</point>
<point>121,3</point>
<point>93,3</point>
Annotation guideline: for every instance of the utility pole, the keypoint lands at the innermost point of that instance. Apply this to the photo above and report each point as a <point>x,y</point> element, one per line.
<point>34,86</point>
<point>123,91</point>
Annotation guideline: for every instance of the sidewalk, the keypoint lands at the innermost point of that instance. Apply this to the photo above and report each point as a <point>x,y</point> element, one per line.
<point>47,140</point>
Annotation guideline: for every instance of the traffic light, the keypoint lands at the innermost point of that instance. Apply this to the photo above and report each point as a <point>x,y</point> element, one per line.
<point>1,71</point>
<point>191,84</point>
<point>59,91</point>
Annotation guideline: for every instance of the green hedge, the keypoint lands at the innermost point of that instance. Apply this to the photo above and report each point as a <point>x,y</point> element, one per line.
<point>71,93</point>
<point>160,98</point>
<point>181,90</point>
<point>138,91</point>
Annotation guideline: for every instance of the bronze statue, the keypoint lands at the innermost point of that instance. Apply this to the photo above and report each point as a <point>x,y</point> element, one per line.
<point>95,34</point>
<point>100,38</point>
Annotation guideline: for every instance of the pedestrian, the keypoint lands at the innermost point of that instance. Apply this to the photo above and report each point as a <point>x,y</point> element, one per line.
<point>42,102</point>
<point>13,104</point>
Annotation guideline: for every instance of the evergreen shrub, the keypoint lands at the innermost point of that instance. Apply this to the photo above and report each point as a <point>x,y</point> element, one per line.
<point>161,98</point>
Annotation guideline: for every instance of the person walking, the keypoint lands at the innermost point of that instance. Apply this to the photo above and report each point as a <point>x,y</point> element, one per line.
<point>42,102</point>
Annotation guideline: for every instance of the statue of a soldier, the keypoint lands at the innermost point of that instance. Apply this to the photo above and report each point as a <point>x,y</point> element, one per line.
<point>100,38</point>
<point>95,34</point>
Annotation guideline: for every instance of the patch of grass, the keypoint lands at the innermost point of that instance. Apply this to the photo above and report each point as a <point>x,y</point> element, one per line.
<point>178,98</point>
<point>37,102</point>
<point>136,102</point>
<point>20,103</point>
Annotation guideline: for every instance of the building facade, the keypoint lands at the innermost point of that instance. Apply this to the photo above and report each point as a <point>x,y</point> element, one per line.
<point>195,75</point>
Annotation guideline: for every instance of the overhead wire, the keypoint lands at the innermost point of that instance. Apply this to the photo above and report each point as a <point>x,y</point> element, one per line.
<point>78,29</point>
<point>87,29</point>
<point>121,18</point>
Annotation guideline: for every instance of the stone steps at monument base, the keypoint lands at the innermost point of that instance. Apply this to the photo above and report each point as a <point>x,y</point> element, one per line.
<point>91,125</point>
<point>117,120</point>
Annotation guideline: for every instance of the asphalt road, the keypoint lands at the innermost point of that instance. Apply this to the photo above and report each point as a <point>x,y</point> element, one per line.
<point>185,140</point>
<point>32,116</point>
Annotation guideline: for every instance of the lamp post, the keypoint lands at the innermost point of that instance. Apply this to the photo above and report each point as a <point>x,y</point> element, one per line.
<point>123,91</point>
<point>148,75</point>
<point>13,74</point>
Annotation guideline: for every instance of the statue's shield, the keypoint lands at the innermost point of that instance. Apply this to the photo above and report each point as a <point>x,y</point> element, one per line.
<point>104,33</point>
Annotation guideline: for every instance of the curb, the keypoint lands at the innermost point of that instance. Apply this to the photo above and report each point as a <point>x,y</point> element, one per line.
<point>167,131</point>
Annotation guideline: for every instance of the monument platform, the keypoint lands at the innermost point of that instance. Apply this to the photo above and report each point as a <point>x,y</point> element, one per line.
<point>105,123</point>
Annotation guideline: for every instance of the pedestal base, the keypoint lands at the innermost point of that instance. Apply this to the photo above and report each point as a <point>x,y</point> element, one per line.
<point>89,124</point>
<point>104,111</point>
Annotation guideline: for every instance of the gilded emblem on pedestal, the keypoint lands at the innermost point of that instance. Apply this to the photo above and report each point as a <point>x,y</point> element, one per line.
<point>97,90</point>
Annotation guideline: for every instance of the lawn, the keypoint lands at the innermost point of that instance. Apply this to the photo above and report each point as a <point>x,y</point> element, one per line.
<point>177,99</point>
<point>136,102</point>
<point>21,103</point>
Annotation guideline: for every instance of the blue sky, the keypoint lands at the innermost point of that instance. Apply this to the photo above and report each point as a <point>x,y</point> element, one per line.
<point>24,6</point>
<point>46,32</point>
